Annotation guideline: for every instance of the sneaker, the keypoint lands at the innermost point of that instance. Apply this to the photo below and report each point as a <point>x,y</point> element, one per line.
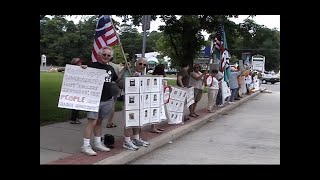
<point>220,105</point>
<point>129,145</point>
<point>140,142</point>
<point>101,147</point>
<point>88,150</point>
<point>230,102</point>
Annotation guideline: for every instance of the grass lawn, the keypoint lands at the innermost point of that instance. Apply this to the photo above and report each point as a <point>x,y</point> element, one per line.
<point>50,85</point>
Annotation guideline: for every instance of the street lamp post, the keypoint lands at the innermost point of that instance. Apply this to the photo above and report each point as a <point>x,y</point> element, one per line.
<point>251,31</point>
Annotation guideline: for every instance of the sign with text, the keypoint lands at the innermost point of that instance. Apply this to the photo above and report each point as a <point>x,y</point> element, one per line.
<point>190,96</point>
<point>81,88</point>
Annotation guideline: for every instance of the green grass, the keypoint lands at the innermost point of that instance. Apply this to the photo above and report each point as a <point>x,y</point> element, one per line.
<point>50,86</point>
<point>173,82</point>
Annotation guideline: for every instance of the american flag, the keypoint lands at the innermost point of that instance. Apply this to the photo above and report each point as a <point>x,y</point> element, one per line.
<point>219,39</point>
<point>105,35</point>
<point>224,62</point>
<point>221,45</point>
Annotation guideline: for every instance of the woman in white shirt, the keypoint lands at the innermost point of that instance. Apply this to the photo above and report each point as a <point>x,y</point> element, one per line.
<point>213,89</point>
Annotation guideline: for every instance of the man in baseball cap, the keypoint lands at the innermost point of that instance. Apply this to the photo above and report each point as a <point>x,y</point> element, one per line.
<point>76,61</point>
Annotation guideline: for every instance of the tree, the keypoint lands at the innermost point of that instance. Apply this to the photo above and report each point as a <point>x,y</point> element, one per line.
<point>62,40</point>
<point>261,40</point>
<point>131,40</point>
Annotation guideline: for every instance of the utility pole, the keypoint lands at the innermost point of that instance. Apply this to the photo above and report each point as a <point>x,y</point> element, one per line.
<point>145,26</point>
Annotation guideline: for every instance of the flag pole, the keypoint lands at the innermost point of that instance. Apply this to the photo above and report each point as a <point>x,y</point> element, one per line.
<point>125,59</point>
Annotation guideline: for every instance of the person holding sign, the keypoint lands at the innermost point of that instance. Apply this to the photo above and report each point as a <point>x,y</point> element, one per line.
<point>233,83</point>
<point>158,70</point>
<point>196,80</point>
<point>183,81</point>
<point>219,77</point>
<point>132,144</point>
<point>75,113</point>
<point>105,107</point>
<point>213,89</point>
<point>115,91</point>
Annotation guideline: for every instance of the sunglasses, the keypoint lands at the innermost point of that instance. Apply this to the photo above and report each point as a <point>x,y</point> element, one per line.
<point>196,67</point>
<point>106,55</point>
<point>142,64</point>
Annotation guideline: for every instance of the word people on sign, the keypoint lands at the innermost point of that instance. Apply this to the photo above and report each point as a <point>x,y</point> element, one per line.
<point>72,98</point>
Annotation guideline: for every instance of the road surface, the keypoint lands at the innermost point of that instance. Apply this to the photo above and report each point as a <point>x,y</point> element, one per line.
<point>249,134</point>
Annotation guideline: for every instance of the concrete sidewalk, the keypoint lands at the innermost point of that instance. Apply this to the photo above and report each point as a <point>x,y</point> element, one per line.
<point>60,143</point>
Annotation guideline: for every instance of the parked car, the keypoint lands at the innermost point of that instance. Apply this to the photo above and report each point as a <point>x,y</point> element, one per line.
<point>270,78</point>
<point>171,71</point>
<point>61,69</point>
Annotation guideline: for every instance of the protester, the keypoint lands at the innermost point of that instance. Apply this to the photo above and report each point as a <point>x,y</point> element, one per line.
<point>233,83</point>
<point>132,144</point>
<point>158,70</point>
<point>213,89</point>
<point>115,90</point>
<point>105,107</point>
<point>219,77</point>
<point>196,80</point>
<point>74,112</point>
<point>183,81</point>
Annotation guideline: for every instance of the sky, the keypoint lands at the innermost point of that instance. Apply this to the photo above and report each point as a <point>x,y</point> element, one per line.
<point>270,21</point>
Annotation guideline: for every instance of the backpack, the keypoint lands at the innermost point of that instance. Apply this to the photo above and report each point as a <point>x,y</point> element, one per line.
<point>108,140</point>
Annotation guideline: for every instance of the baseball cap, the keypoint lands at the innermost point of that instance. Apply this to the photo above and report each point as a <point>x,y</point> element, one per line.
<point>76,60</point>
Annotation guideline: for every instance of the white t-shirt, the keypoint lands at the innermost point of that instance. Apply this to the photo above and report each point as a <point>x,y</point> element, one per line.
<point>196,83</point>
<point>214,84</point>
<point>248,79</point>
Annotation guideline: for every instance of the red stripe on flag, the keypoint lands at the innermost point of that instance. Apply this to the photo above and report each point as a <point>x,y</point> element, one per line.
<point>101,34</point>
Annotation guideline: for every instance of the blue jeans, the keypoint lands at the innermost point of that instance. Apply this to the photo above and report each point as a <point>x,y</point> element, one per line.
<point>233,93</point>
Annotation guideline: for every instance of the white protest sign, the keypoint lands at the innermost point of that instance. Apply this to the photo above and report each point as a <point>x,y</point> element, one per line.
<point>190,96</point>
<point>163,115</point>
<point>144,116</point>
<point>243,87</point>
<point>175,118</point>
<point>256,84</point>
<point>132,118</point>
<point>225,91</point>
<point>132,101</point>
<point>155,115</point>
<point>174,93</point>
<point>166,95</point>
<point>81,88</point>
<point>209,80</point>
<point>143,100</point>
<point>132,85</point>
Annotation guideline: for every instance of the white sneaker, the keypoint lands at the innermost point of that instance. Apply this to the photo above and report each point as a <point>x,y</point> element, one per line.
<point>230,102</point>
<point>101,147</point>
<point>129,145</point>
<point>221,105</point>
<point>140,142</point>
<point>88,150</point>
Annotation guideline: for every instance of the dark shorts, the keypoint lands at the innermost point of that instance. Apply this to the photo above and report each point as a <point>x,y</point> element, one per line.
<point>115,90</point>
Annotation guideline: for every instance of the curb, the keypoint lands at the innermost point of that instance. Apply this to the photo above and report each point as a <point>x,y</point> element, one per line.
<point>128,156</point>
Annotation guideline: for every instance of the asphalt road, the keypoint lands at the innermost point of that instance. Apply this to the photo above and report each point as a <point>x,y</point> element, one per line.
<point>249,134</point>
